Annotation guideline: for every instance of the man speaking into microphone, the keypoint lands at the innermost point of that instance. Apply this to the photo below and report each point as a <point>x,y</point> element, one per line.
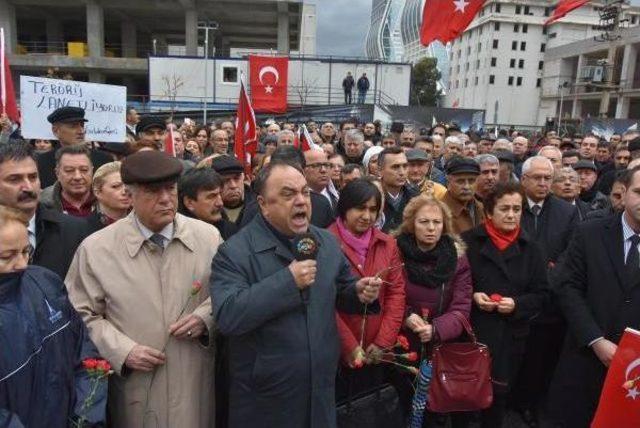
<point>275,286</point>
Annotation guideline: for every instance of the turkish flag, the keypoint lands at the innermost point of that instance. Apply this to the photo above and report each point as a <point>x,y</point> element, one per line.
<point>269,76</point>
<point>169,143</point>
<point>246,138</point>
<point>563,7</point>
<point>8,103</point>
<point>304,141</point>
<point>445,20</point>
<point>619,405</point>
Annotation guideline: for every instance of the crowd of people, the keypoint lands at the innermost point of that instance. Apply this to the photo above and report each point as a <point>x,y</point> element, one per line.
<point>270,299</point>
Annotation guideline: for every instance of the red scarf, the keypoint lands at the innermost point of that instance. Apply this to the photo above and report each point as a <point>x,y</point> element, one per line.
<point>499,238</point>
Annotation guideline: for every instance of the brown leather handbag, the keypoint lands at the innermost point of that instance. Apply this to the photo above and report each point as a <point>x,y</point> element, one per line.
<point>461,379</point>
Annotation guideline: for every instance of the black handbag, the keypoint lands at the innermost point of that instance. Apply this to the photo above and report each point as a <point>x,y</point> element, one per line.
<point>377,408</point>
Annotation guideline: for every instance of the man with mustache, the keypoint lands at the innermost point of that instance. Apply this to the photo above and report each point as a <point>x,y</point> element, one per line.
<point>240,204</point>
<point>68,125</point>
<point>53,236</point>
<point>466,211</point>
<point>278,310</point>
<point>71,194</point>
<point>136,285</point>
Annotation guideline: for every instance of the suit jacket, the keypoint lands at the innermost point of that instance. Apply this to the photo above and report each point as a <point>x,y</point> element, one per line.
<point>393,215</point>
<point>554,228</point>
<point>283,342</point>
<point>462,218</point>
<point>57,238</point>
<point>322,215</point>
<point>597,301</point>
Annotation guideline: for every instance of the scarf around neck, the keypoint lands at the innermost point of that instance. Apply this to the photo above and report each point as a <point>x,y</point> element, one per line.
<point>501,239</point>
<point>431,268</point>
<point>359,244</point>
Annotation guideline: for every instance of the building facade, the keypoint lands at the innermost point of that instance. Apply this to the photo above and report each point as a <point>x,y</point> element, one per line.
<point>498,63</point>
<point>109,42</point>
<point>384,38</point>
<point>574,75</point>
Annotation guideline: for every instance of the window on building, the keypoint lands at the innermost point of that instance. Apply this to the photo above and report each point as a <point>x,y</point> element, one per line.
<point>492,79</point>
<point>526,11</point>
<point>498,6</point>
<point>512,63</point>
<point>496,26</point>
<point>457,84</point>
<point>494,61</point>
<point>516,28</point>
<point>466,66</point>
<point>476,81</point>
<point>514,45</point>
<point>481,27</point>
<point>525,28</point>
<point>466,82</point>
<point>519,81</point>
<point>495,43</point>
<point>538,82</point>
<point>547,11</point>
<point>510,81</point>
<point>634,19</point>
<point>553,35</point>
<point>518,9</point>
<point>468,50</point>
<point>544,30</point>
<point>450,71</point>
<point>230,74</point>
<point>458,68</point>
<point>521,63</point>
<point>477,64</point>
<point>540,65</point>
<point>479,46</point>
<point>523,46</point>
<point>543,47</point>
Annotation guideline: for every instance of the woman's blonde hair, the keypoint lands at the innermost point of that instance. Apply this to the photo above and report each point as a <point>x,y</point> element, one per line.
<point>100,176</point>
<point>8,215</point>
<point>415,205</point>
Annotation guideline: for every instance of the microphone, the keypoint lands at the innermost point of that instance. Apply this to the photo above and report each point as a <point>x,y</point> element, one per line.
<point>305,247</point>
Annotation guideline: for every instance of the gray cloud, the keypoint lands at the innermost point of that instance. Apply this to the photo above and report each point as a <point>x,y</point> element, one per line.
<point>342,26</point>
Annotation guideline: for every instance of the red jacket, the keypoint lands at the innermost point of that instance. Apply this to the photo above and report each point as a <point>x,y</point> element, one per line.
<point>381,329</point>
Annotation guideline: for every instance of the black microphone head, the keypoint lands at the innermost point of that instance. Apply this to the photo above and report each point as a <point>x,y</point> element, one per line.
<point>305,246</point>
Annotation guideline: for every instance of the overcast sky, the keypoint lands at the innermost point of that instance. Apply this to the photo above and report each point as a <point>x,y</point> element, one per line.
<point>342,26</point>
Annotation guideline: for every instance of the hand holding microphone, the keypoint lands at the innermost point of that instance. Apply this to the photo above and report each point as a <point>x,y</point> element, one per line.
<point>304,267</point>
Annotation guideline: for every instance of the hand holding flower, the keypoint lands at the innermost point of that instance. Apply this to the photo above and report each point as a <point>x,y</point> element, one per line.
<point>189,327</point>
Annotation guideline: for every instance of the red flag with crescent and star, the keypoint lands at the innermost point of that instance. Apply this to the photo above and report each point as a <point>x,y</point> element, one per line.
<point>269,75</point>
<point>445,20</point>
<point>563,7</point>
<point>619,404</point>
<point>245,144</point>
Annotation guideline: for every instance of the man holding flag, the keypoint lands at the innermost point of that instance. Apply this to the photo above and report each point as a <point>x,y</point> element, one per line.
<point>598,290</point>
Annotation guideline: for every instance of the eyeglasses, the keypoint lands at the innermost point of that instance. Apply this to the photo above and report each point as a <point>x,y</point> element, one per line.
<point>319,165</point>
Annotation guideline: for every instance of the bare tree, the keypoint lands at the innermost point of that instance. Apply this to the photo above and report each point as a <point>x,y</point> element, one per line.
<point>172,85</point>
<point>305,89</point>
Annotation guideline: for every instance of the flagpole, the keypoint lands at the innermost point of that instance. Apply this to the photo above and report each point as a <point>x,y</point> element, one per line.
<point>3,77</point>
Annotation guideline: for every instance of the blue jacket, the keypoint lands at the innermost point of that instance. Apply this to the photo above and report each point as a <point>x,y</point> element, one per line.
<point>283,342</point>
<point>42,381</point>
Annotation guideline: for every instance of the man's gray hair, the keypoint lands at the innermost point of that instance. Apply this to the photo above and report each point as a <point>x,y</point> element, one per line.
<point>487,158</point>
<point>554,148</point>
<point>566,170</point>
<point>354,134</point>
<point>503,144</point>
<point>452,139</point>
<point>526,166</point>
<point>284,132</point>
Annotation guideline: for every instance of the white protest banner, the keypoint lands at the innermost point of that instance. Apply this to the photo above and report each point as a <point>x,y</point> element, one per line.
<point>105,107</point>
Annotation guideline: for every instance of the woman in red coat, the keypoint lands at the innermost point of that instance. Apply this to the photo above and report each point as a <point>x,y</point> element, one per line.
<point>438,276</point>
<point>370,252</point>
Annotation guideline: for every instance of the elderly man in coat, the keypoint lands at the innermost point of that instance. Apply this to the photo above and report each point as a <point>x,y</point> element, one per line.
<point>136,285</point>
<point>279,313</point>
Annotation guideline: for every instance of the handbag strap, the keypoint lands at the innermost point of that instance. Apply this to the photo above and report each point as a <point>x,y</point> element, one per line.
<point>466,325</point>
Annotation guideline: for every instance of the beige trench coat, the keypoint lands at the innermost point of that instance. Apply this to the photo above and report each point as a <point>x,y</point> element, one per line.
<point>128,292</point>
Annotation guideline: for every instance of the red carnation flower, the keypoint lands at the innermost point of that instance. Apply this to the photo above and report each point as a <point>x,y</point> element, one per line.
<point>103,366</point>
<point>90,363</point>
<point>412,356</point>
<point>495,297</point>
<point>403,342</point>
<point>196,287</point>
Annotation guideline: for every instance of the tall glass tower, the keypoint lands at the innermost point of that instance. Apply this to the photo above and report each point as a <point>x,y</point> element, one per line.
<point>384,39</point>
